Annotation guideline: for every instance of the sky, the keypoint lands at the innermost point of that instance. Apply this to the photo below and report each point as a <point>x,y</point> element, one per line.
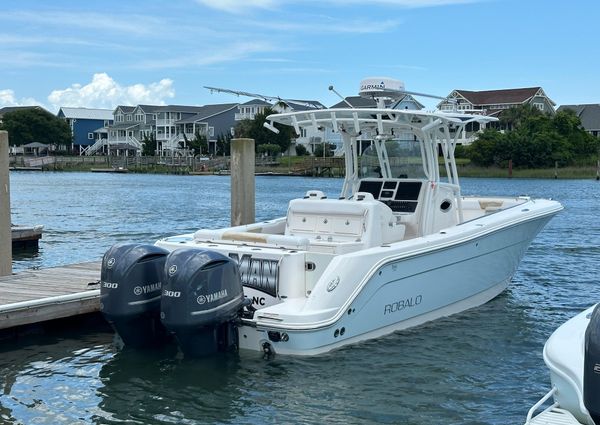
<point>100,54</point>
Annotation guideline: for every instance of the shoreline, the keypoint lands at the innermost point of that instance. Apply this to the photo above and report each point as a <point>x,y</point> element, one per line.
<point>287,169</point>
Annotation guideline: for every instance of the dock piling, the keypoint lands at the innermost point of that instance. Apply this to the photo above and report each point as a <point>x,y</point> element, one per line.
<point>242,182</point>
<point>5,232</point>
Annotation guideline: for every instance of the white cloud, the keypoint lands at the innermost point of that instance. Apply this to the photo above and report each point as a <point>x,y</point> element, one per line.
<point>104,92</point>
<point>230,53</point>
<point>325,25</point>
<point>8,98</point>
<point>240,6</point>
<point>136,25</point>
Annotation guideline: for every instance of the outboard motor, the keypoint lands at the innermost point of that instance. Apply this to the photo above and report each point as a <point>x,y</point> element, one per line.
<point>131,284</point>
<point>591,366</point>
<point>202,299</point>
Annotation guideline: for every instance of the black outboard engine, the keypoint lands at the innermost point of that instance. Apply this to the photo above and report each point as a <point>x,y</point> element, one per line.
<point>131,284</point>
<point>591,366</point>
<point>201,301</point>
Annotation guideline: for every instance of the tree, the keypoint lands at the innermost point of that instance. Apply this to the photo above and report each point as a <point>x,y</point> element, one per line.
<point>512,118</point>
<point>254,129</point>
<point>150,145</point>
<point>270,149</point>
<point>318,152</point>
<point>301,150</point>
<point>199,143</point>
<point>36,125</point>
<point>224,145</point>
<point>536,140</point>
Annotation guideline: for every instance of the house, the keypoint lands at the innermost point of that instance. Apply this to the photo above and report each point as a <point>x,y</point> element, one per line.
<point>309,138</point>
<point>248,110</point>
<point>87,125</point>
<point>406,102</point>
<point>589,114</point>
<point>169,125</point>
<point>35,148</point>
<point>492,103</point>
<point>211,121</point>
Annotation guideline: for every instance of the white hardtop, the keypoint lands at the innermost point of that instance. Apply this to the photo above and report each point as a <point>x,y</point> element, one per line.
<point>430,129</point>
<point>388,128</point>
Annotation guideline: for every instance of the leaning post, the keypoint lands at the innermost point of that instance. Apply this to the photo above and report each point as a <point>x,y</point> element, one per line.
<point>5,232</point>
<point>242,182</point>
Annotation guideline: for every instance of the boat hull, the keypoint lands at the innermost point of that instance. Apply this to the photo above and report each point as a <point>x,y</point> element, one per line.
<point>404,292</point>
<point>564,356</point>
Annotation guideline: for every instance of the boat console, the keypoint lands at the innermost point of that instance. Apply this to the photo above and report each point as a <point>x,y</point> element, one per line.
<point>401,195</point>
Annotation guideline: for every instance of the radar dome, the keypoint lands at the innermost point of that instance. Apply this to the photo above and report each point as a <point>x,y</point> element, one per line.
<point>380,87</point>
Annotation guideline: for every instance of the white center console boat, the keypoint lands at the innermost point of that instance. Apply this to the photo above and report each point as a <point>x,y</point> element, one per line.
<point>572,353</point>
<point>399,246</point>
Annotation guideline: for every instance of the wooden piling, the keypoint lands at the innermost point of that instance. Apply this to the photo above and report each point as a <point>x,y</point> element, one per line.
<point>242,181</point>
<point>5,233</point>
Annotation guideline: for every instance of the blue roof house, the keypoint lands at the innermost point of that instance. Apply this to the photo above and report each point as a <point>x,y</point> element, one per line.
<point>84,124</point>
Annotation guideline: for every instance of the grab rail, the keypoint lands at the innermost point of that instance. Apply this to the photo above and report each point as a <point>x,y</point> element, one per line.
<point>537,405</point>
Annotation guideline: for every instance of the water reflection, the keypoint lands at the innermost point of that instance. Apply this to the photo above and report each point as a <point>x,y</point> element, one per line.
<point>159,385</point>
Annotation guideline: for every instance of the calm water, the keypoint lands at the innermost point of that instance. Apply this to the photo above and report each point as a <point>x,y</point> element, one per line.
<point>483,366</point>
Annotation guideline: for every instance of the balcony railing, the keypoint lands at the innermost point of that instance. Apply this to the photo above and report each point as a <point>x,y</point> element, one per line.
<point>244,116</point>
<point>163,121</point>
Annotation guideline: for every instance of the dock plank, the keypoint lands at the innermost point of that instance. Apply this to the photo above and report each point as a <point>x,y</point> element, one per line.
<point>35,296</point>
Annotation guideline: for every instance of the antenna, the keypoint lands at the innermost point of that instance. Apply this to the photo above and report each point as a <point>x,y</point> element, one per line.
<point>340,96</point>
<point>264,97</point>
<point>381,88</point>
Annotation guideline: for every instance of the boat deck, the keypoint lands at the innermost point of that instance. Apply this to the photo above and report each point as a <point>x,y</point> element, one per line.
<point>35,296</point>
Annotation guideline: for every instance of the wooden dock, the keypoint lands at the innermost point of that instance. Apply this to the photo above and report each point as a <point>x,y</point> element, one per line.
<point>35,296</point>
<point>26,236</point>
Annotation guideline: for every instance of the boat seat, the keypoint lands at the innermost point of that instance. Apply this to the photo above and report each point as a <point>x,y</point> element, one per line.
<point>315,194</point>
<point>341,225</point>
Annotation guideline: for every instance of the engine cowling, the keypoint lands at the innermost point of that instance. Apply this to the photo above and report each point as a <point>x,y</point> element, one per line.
<point>591,366</point>
<point>202,299</point>
<point>131,284</point>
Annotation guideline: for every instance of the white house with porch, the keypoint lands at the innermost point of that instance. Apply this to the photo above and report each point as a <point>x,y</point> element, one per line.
<point>169,125</point>
<point>493,103</point>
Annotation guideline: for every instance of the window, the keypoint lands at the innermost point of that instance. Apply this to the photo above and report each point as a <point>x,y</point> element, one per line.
<point>129,117</point>
<point>91,136</point>
<point>211,131</point>
<point>539,105</point>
